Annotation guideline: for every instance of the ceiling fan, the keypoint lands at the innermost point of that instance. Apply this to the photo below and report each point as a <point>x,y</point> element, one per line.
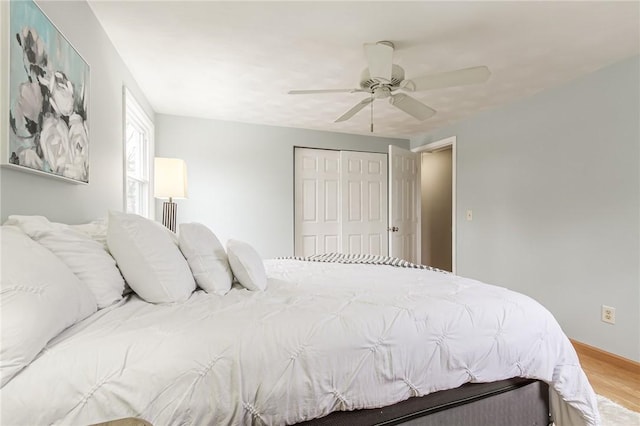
<point>382,79</point>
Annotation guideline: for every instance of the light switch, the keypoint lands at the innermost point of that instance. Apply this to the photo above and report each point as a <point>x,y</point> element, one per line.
<point>469,215</point>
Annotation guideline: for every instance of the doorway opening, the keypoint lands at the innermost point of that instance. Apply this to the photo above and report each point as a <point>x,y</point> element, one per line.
<point>438,204</point>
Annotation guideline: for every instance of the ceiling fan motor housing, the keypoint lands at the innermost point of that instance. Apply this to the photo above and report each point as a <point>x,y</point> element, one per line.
<point>369,84</point>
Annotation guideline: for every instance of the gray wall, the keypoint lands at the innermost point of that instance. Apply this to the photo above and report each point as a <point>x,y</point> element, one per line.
<point>436,177</point>
<point>241,175</point>
<point>25,193</point>
<point>554,184</point>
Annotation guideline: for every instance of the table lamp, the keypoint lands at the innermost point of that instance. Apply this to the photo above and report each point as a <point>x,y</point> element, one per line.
<point>170,181</point>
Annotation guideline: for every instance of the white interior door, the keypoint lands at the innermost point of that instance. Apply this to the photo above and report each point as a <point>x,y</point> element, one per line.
<point>317,201</point>
<point>364,203</point>
<point>404,204</point>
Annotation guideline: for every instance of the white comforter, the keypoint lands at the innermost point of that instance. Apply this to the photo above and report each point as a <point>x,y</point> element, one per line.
<point>322,337</point>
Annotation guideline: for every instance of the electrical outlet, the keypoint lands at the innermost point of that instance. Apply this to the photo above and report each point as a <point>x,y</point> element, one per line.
<point>608,314</point>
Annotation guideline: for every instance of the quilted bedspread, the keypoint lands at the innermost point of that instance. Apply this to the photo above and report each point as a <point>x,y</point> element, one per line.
<point>322,337</point>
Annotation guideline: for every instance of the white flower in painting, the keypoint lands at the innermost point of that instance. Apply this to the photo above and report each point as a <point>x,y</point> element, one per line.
<point>30,101</point>
<point>54,141</point>
<point>78,166</point>
<point>33,51</point>
<point>78,170</point>
<point>29,158</point>
<point>61,93</point>
<point>78,138</point>
<point>26,110</point>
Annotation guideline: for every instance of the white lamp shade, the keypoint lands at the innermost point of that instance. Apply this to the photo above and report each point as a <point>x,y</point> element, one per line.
<point>170,178</point>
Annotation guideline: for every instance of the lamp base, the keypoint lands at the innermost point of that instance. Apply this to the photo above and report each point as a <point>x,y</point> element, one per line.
<point>169,214</point>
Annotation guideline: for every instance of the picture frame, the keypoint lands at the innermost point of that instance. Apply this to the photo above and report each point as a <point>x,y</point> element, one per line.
<point>45,97</point>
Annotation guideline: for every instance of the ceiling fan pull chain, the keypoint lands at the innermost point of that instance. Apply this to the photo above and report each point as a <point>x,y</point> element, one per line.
<point>371,112</point>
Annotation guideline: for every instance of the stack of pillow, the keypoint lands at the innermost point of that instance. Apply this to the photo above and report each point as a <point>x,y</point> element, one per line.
<point>161,271</point>
<point>54,275</point>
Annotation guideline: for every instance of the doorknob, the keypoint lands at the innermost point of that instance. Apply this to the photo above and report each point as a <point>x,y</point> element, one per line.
<point>394,229</point>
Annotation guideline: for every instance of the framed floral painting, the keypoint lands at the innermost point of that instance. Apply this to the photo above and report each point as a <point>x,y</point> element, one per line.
<point>48,98</point>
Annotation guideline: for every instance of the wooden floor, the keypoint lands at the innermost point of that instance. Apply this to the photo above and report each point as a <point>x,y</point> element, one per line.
<point>620,385</point>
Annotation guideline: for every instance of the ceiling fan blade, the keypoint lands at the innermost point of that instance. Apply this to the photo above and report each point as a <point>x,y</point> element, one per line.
<point>310,92</point>
<point>353,111</point>
<point>380,58</point>
<point>461,77</point>
<point>411,106</point>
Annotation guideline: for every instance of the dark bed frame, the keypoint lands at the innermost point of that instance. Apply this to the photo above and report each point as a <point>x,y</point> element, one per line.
<point>511,402</point>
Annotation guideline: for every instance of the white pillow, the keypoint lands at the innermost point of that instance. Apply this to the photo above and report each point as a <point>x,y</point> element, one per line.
<point>149,259</point>
<point>96,230</point>
<point>206,257</point>
<point>39,297</point>
<point>246,265</point>
<point>87,258</point>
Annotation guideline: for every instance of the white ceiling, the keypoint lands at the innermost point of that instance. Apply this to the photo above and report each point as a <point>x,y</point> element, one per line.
<point>237,60</point>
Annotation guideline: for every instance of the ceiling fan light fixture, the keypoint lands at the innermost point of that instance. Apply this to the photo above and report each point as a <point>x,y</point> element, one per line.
<point>382,93</point>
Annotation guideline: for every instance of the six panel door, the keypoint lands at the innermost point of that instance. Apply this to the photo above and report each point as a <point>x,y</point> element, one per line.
<point>364,203</point>
<point>404,204</point>
<point>317,201</point>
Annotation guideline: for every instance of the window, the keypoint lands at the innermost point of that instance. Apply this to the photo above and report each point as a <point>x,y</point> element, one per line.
<point>138,156</point>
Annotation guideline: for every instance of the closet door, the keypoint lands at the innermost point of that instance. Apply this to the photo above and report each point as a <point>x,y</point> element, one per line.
<point>364,203</point>
<point>317,201</point>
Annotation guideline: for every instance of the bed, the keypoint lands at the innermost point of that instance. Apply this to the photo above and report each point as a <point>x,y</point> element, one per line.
<point>324,343</point>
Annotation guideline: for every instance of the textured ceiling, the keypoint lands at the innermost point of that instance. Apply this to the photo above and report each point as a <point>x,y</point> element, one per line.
<point>237,60</point>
